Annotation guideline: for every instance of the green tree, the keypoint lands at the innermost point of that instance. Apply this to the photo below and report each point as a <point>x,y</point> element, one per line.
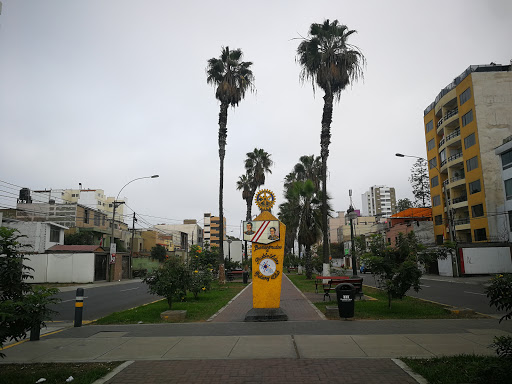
<point>500,295</point>
<point>232,78</point>
<point>158,252</point>
<point>396,269</point>
<point>79,238</point>
<point>22,307</point>
<point>170,281</point>
<point>420,183</point>
<point>403,204</point>
<point>331,63</point>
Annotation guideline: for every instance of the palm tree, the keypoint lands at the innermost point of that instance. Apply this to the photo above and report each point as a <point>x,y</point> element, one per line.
<point>309,214</point>
<point>231,78</point>
<point>309,167</point>
<point>331,63</point>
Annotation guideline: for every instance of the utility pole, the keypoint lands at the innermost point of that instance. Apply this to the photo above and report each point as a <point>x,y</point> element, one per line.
<point>131,248</point>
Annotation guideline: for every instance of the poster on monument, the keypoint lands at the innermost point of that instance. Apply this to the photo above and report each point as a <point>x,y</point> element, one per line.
<point>261,231</point>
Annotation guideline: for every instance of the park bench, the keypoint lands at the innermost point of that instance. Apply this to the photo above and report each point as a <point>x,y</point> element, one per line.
<point>319,280</point>
<point>292,269</point>
<point>231,275</point>
<point>334,281</point>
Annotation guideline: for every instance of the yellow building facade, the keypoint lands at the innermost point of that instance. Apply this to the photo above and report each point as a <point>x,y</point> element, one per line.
<point>466,122</point>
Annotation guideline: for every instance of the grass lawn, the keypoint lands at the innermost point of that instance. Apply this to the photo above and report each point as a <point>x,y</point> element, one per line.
<point>200,309</point>
<point>83,373</point>
<point>463,369</point>
<point>407,308</point>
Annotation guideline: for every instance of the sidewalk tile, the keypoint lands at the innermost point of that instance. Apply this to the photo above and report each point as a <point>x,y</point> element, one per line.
<point>327,346</point>
<point>202,347</point>
<point>258,347</point>
<point>147,348</point>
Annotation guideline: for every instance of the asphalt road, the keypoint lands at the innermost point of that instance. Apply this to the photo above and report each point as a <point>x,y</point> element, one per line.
<point>457,294</point>
<point>101,301</point>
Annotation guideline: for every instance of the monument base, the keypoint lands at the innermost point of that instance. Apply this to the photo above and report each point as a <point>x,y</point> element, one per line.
<point>266,314</point>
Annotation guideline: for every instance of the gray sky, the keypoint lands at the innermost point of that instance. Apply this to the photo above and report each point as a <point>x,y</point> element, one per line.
<point>101,92</point>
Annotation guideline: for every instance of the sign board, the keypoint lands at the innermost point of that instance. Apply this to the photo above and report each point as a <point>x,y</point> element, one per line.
<point>261,231</point>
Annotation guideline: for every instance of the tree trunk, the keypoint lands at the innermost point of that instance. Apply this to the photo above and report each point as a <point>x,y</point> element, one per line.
<point>169,302</point>
<point>389,300</point>
<point>325,140</point>
<point>248,218</point>
<point>309,265</point>
<point>223,133</point>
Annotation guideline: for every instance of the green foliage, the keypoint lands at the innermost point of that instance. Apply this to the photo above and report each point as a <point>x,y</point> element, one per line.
<point>500,294</point>
<point>503,346</point>
<point>201,271</point>
<point>79,238</point>
<point>159,253</point>
<point>337,250</point>
<point>22,307</point>
<point>403,204</point>
<point>420,183</point>
<point>171,281</point>
<point>396,269</point>
<point>290,260</point>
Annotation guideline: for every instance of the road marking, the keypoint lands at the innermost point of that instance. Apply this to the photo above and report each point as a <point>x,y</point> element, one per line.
<point>129,289</point>
<point>426,286</point>
<point>476,293</point>
<point>65,301</point>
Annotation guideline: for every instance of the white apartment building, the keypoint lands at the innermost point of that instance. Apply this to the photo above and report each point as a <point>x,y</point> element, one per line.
<point>504,209</point>
<point>380,200</point>
<point>190,227</point>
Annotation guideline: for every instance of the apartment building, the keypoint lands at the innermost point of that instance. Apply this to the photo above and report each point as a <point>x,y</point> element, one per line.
<point>504,212</point>
<point>379,200</point>
<point>468,119</point>
<point>189,226</point>
<point>212,230</point>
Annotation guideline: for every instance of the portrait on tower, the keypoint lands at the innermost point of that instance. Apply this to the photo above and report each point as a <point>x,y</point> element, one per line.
<point>261,231</point>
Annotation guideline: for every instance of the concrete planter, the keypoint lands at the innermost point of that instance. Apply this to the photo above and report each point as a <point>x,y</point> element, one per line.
<point>174,316</point>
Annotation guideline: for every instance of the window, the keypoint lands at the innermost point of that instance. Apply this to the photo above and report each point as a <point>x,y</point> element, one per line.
<point>472,163</point>
<point>442,155</point>
<point>467,118</point>
<point>475,187</point>
<point>510,220</point>
<point>438,219</point>
<point>103,220</point>
<point>436,200</point>
<point>97,219</point>
<point>54,234</point>
<point>469,141</point>
<point>477,210</point>
<point>480,234</point>
<point>429,126</point>
<point>431,144</point>
<point>86,216</point>
<point>432,163</point>
<point>439,239</point>
<point>434,182</point>
<point>506,159</point>
<point>508,189</point>
<point>465,96</point>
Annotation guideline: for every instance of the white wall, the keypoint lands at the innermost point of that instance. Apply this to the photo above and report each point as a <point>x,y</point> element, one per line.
<point>236,250</point>
<point>445,266</point>
<point>487,260</point>
<point>62,268</point>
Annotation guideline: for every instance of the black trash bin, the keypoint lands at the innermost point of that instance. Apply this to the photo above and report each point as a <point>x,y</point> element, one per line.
<point>245,276</point>
<point>345,295</point>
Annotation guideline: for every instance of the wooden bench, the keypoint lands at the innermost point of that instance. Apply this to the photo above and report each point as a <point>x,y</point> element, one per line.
<point>292,269</point>
<point>231,275</point>
<point>332,284</point>
<point>319,280</point>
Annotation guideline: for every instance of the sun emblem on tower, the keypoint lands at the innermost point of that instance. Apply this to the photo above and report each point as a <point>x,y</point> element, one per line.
<point>265,199</point>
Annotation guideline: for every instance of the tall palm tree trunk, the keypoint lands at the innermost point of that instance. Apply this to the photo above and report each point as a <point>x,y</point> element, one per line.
<point>223,133</point>
<point>325,140</point>
<point>248,218</point>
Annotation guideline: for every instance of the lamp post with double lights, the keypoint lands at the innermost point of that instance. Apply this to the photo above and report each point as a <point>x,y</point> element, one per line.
<point>451,229</point>
<point>115,204</point>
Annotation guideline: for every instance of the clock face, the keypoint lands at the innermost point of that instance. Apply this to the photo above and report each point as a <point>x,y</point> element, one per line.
<point>267,267</point>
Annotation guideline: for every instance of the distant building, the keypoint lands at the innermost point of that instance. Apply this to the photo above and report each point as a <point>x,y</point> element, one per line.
<point>190,227</point>
<point>465,123</point>
<point>212,229</point>
<point>379,201</point>
<point>504,207</point>
<point>417,220</point>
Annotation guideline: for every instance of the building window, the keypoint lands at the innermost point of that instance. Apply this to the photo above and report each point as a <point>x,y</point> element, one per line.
<point>434,182</point>
<point>103,220</point>
<point>432,163</point>
<point>431,144</point>
<point>469,141</point>
<point>477,210</point>
<point>506,159</point>
<point>475,187</point>
<point>439,239</point>
<point>465,96</point>
<point>429,126</point>
<point>97,219</point>
<point>436,200</point>
<point>510,220</point>
<point>467,118</point>
<point>54,235</point>
<point>438,219</point>
<point>472,163</point>
<point>480,234</point>
<point>86,216</point>
<point>508,189</point>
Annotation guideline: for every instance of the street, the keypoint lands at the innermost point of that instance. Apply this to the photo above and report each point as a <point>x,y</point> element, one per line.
<point>103,300</point>
<point>462,294</point>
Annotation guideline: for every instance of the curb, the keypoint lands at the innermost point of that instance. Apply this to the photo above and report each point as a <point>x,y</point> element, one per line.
<point>114,372</point>
<point>419,379</point>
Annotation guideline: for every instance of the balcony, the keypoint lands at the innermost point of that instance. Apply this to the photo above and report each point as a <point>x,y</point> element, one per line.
<point>453,134</point>
<point>461,221</point>
<point>441,143</point>
<point>457,178</point>
<point>459,199</point>
<point>449,114</point>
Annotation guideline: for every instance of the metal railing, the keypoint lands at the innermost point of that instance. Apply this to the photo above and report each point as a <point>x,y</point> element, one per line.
<point>441,142</point>
<point>456,156</point>
<point>455,178</point>
<point>461,221</point>
<point>459,199</point>
<point>453,134</point>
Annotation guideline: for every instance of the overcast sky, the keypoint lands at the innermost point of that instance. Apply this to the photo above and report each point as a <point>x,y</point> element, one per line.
<point>101,92</point>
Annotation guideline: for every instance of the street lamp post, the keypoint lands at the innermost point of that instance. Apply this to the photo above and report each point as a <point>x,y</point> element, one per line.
<point>352,215</point>
<point>451,229</point>
<point>115,204</point>
<point>229,249</point>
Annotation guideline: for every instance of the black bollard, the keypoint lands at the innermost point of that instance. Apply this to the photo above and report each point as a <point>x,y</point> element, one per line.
<point>35,332</point>
<point>79,306</point>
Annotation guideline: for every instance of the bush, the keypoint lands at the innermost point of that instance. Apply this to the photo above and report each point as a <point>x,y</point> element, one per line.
<point>500,295</point>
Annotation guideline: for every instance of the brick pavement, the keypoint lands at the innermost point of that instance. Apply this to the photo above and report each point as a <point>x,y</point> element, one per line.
<point>293,303</point>
<point>267,371</point>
